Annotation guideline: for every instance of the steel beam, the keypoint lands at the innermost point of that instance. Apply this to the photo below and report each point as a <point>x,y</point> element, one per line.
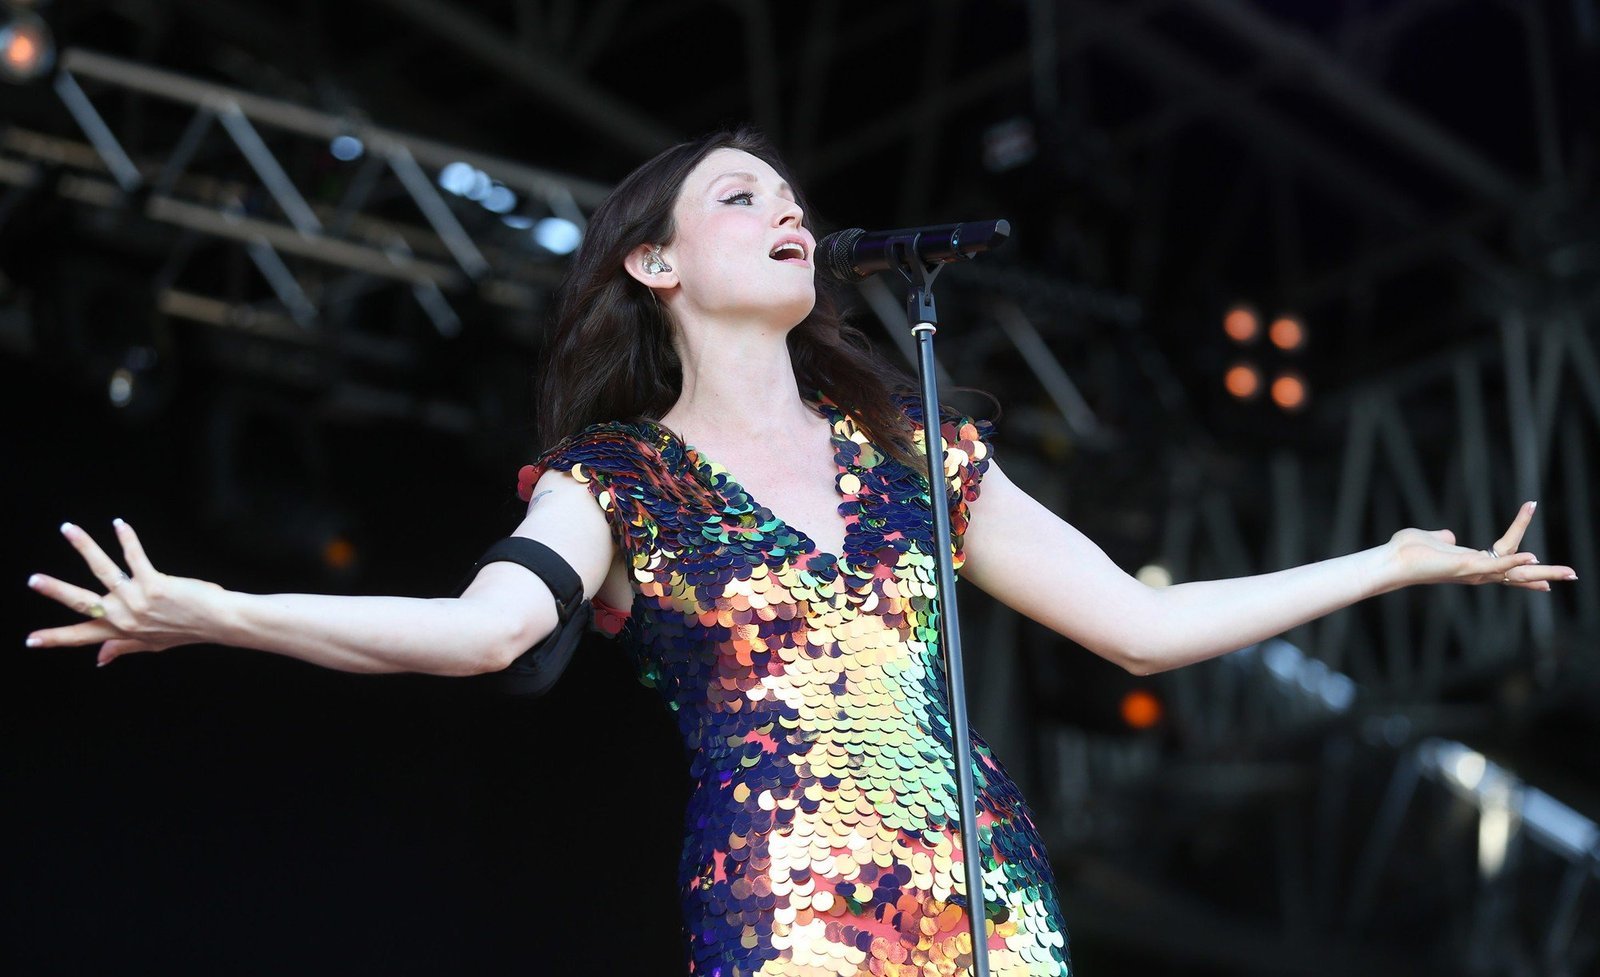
<point>903,121</point>
<point>321,125</point>
<point>1075,410</point>
<point>1164,62</point>
<point>582,101</point>
<point>1366,102</point>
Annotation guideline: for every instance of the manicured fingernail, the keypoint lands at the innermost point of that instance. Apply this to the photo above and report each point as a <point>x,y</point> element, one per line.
<point>34,642</point>
<point>1532,506</point>
<point>33,581</point>
<point>118,523</point>
<point>102,664</point>
<point>65,526</point>
<point>1572,576</point>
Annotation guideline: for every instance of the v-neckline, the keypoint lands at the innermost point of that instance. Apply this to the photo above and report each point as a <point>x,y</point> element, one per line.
<point>709,467</point>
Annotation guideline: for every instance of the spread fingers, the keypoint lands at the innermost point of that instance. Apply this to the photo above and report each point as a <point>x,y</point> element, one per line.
<point>133,550</point>
<point>102,566</point>
<point>86,633</point>
<point>69,595</point>
<point>1537,576</point>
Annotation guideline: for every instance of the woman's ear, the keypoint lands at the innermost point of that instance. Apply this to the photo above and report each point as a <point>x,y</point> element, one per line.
<point>650,267</point>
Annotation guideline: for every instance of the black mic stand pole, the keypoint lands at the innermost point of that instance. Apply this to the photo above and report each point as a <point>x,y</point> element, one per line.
<point>923,320</point>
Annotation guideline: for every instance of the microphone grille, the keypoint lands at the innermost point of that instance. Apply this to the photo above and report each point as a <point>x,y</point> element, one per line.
<point>833,255</point>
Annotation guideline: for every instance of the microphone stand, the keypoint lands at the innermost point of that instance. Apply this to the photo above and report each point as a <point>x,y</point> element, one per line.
<point>923,319</point>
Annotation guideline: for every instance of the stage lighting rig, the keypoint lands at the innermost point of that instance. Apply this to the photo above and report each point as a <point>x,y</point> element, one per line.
<point>1244,379</point>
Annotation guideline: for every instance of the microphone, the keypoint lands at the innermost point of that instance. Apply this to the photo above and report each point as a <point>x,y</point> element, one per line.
<point>853,254</point>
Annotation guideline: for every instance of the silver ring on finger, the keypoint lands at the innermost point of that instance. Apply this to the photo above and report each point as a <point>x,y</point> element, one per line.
<point>1490,551</point>
<point>122,578</point>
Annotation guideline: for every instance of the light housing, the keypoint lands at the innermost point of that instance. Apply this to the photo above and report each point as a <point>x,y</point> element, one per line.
<point>27,48</point>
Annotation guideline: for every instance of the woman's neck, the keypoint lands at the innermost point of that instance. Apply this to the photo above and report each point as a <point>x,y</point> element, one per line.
<point>737,384</point>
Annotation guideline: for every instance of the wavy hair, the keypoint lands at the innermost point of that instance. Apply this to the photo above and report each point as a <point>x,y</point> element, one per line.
<point>610,356</point>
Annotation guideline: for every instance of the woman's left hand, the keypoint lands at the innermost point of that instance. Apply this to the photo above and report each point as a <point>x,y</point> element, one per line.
<point>1423,556</point>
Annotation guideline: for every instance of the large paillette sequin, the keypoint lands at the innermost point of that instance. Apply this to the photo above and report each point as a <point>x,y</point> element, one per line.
<point>822,832</point>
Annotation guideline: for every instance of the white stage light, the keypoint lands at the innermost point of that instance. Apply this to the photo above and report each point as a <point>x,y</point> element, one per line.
<point>557,235</point>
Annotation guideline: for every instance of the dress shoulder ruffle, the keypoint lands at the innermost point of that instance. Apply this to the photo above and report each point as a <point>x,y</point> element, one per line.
<point>968,449</point>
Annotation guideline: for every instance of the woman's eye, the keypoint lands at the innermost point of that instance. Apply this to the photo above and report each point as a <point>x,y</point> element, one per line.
<point>741,196</point>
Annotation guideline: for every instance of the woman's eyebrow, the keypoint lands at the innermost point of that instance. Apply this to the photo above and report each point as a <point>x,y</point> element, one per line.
<point>741,174</point>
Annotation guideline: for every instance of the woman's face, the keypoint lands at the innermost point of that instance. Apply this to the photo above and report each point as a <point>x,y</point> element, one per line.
<point>740,249</point>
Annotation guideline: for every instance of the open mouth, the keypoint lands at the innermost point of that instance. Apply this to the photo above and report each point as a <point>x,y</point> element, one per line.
<point>788,251</point>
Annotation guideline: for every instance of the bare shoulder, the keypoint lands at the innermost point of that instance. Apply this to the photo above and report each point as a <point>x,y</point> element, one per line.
<point>1010,532</point>
<point>999,492</point>
<point>565,517</point>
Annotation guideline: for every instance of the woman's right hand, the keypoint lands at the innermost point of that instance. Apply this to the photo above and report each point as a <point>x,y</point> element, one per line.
<point>504,612</point>
<point>141,610</point>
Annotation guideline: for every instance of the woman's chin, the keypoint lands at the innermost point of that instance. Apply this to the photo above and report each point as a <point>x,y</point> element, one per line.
<point>786,314</point>
<point>772,308</point>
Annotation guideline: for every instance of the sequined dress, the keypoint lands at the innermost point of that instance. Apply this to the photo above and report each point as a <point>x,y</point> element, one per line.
<point>822,829</point>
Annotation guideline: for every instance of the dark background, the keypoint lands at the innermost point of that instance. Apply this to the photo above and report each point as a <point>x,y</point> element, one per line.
<point>1406,176</point>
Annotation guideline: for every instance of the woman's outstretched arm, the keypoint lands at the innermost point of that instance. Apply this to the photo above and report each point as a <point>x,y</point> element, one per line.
<point>504,611</point>
<point>1030,559</point>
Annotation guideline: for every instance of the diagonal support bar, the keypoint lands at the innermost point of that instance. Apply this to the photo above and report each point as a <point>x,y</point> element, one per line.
<point>94,127</point>
<point>437,212</point>
<point>266,166</point>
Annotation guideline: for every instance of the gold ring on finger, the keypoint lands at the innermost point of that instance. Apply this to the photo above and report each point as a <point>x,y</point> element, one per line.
<point>96,610</point>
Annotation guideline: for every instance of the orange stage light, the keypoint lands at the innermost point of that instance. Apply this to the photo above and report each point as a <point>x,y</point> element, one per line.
<point>1241,324</point>
<point>1243,381</point>
<point>1289,392</point>
<point>1287,333</point>
<point>1141,709</point>
<point>338,554</point>
<point>21,51</point>
<point>26,48</point>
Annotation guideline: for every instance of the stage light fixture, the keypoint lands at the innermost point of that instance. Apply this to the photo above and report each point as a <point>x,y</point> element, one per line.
<point>119,390</point>
<point>1289,392</point>
<point>1243,380</point>
<point>1154,575</point>
<point>1009,144</point>
<point>1140,709</point>
<point>346,148</point>
<point>1287,333</point>
<point>1468,768</point>
<point>338,554</point>
<point>479,186</point>
<point>27,49</point>
<point>458,178</point>
<point>138,388</point>
<point>1241,324</point>
<point>1497,822</point>
<point>557,235</point>
<point>499,200</point>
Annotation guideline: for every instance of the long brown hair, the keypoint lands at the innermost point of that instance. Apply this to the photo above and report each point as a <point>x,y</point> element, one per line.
<point>610,356</point>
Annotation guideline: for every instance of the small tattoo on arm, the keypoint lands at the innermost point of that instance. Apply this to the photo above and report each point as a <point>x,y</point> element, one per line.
<point>535,500</point>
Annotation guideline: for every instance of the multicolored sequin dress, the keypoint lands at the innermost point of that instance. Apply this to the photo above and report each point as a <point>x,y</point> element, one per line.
<point>822,832</point>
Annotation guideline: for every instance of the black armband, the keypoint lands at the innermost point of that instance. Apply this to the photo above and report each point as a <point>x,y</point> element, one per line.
<point>536,670</point>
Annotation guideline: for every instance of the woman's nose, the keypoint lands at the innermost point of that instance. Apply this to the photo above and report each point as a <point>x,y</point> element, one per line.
<point>790,213</point>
